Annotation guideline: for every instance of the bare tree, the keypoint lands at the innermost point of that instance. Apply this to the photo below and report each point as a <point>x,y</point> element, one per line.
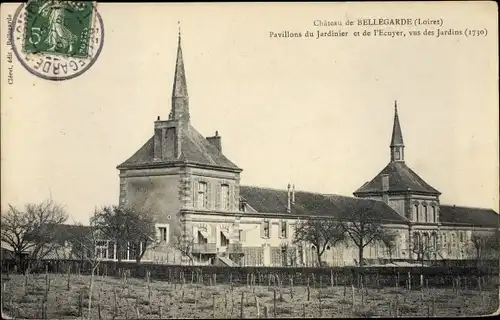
<point>484,245</point>
<point>424,247</point>
<point>32,232</point>
<point>319,233</point>
<point>184,243</point>
<point>85,245</point>
<point>388,239</point>
<point>140,231</point>
<point>128,227</point>
<point>363,226</point>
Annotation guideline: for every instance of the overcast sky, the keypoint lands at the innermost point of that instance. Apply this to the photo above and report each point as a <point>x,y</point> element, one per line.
<point>316,113</point>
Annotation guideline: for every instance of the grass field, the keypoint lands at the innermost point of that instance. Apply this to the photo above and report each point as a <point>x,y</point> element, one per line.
<point>23,298</point>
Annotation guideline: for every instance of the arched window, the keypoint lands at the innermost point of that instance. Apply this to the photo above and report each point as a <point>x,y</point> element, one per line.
<point>434,216</point>
<point>415,212</point>
<point>426,217</point>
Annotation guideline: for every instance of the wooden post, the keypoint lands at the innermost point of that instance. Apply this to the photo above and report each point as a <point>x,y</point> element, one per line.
<point>397,306</point>
<point>44,309</point>
<point>409,281</point>
<point>137,312</point>
<point>69,279</point>
<point>241,305</point>
<point>433,306</point>
<point>274,303</point>
<point>213,305</point>
<point>160,312</point>
<point>331,278</point>
<point>266,312</point>
<point>308,290</point>
<point>1,296</point>
<point>115,308</point>
<point>231,281</point>
<point>353,298</point>
<point>80,304</point>
<point>257,306</point>
<point>362,292</point>
<point>320,306</point>
<point>303,310</point>
<point>397,281</point>
<point>99,305</point>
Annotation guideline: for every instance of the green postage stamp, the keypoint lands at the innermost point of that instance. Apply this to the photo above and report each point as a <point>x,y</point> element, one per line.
<point>57,40</point>
<point>58,27</point>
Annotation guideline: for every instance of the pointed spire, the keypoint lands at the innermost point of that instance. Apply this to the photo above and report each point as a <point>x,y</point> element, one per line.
<point>397,136</point>
<point>397,144</point>
<point>180,105</point>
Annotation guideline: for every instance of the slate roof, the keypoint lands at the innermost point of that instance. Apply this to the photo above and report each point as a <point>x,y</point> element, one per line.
<point>65,232</point>
<point>195,149</point>
<point>401,179</point>
<point>467,215</point>
<point>266,200</point>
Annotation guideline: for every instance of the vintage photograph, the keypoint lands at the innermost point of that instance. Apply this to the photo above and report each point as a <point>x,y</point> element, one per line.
<point>249,160</point>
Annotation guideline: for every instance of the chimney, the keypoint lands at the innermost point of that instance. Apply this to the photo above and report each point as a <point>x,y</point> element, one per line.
<point>289,207</point>
<point>216,141</point>
<point>385,187</point>
<point>293,194</point>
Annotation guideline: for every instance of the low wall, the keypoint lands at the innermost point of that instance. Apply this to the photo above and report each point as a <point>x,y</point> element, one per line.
<point>372,276</point>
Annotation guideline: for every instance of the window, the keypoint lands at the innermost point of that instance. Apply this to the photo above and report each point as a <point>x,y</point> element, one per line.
<point>300,253</point>
<point>426,218</point>
<point>434,216</point>
<point>101,249</point>
<point>163,234</point>
<point>224,197</point>
<point>202,194</point>
<point>461,237</point>
<point>415,212</point>
<point>266,229</point>
<point>284,229</point>
<point>434,241</point>
<point>240,235</point>
<point>397,155</point>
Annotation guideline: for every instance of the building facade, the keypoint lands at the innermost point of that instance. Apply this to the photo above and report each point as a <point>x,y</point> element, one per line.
<point>195,193</point>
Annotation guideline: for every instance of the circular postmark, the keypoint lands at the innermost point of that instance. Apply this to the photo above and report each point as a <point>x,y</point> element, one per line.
<point>57,40</point>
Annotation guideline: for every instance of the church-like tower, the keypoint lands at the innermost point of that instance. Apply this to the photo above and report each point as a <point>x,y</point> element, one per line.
<point>178,169</point>
<point>400,187</point>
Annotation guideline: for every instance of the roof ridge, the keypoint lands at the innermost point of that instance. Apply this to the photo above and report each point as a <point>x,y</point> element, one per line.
<point>468,207</point>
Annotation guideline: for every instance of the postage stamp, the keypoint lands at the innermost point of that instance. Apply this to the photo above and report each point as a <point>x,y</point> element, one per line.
<point>57,40</point>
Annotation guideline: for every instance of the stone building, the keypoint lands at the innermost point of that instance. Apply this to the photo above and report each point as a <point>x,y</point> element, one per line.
<point>195,192</point>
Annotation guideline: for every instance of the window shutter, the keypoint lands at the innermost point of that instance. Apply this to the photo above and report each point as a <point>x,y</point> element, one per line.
<point>230,207</point>
<point>208,196</point>
<point>262,229</point>
<point>218,193</point>
<point>195,194</point>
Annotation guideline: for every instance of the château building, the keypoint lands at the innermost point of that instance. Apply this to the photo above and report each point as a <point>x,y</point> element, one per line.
<point>195,192</point>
